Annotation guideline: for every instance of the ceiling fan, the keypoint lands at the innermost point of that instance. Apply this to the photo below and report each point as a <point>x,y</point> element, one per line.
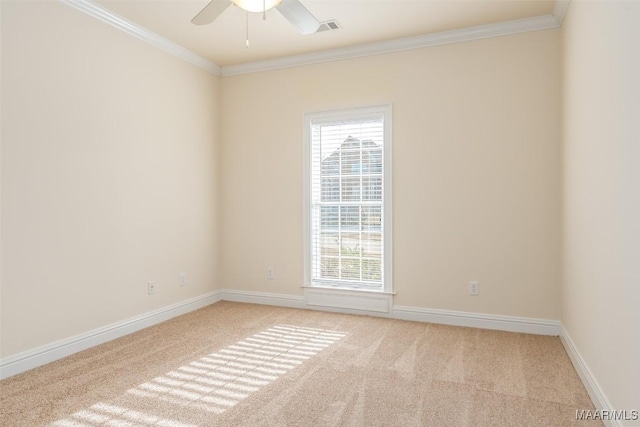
<point>292,10</point>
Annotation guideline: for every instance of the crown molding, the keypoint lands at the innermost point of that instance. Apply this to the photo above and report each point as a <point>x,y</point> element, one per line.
<point>543,22</point>
<point>560,10</point>
<point>143,34</point>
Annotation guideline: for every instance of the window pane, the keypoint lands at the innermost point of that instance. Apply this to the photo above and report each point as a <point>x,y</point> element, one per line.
<point>329,244</point>
<point>351,188</point>
<point>331,165</point>
<point>329,268</point>
<point>350,161</point>
<point>350,245</point>
<point>371,245</point>
<point>329,216</point>
<point>350,269</point>
<point>372,157</point>
<point>372,188</point>
<point>350,218</point>
<point>330,189</point>
<point>371,218</point>
<point>371,270</point>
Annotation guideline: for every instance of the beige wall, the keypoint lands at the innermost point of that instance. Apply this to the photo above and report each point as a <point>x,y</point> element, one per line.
<point>601,292</point>
<point>109,175</point>
<point>476,163</point>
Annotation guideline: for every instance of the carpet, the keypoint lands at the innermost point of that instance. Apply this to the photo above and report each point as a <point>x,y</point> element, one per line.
<point>233,364</point>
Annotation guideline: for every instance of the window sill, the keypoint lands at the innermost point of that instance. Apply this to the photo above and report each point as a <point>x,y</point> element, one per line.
<point>348,299</point>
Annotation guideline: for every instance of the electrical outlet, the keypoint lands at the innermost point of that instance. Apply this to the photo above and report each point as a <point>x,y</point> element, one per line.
<point>474,288</point>
<point>183,279</point>
<point>270,273</point>
<point>151,287</point>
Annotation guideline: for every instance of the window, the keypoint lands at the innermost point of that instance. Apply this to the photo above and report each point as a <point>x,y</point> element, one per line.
<point>348,199</point>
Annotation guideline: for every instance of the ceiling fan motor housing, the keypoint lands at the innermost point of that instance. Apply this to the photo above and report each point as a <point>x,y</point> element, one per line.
<point>256,5</point>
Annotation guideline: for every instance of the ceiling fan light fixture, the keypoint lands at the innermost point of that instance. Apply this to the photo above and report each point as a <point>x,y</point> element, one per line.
<point>256,5</point>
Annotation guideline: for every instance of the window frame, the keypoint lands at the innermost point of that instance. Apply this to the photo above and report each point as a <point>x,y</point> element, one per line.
<point>387,197</point>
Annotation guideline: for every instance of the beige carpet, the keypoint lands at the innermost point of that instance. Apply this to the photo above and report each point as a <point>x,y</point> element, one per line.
<point>236,364</point>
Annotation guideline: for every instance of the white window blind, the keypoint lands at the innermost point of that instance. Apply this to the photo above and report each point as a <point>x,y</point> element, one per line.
<point>347,200</point>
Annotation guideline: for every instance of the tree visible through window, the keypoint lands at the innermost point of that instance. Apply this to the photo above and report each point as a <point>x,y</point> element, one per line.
<point>346,209</point>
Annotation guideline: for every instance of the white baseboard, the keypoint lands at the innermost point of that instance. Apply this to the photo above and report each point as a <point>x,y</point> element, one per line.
<point>446,317</point>
<point>478,320</point>
<point>30,359</point>
<point>42,355</point>
<point>264,298</point>
<point>284,300</point>
<point>593,388</point>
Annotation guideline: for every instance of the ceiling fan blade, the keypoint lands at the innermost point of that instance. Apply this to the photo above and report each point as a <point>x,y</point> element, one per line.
<point>299,16</point>
<point>211,11</point>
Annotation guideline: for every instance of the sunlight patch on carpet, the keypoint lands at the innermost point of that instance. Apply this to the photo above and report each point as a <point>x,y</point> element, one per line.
<point>214,383</point>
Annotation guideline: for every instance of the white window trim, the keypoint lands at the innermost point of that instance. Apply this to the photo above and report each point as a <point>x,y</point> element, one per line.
<point>328,116</point>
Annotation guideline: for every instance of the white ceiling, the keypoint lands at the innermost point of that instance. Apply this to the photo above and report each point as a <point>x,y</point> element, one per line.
<point>362,21</point>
